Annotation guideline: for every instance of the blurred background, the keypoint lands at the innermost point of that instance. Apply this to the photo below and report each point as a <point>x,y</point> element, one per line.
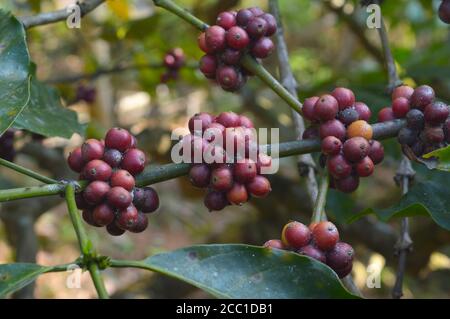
<point>109,71</point>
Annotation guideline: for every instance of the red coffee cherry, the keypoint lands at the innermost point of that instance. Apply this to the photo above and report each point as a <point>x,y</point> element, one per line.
<point>112,157</point>
<point>257,11</point>
<point>119,139</point>
<point>386,114</point>
<point>231,56</point>
<point>226,20</point>
<point>201,40</point>
<point>259,186</point>
<point>402,91</point>
<point>325,235</point>
<point>222,178</point>
<point>134,161</point>
<point>92,149</point>
<point>75,160</point>
<point>332,128</point>
<point>244,171</point>
<point>356,148</point>
<point>119,197</point>
<point>365,167</point>
<point>97,170</point>
<point>436,113</point>
<point>96,192</point>
<point>338,166</point>
<point>200,175</point>
<point>434,135</point>
<point>123,179</point>
<point>274,243</point>
<point>347,184</point>
<point>215,201</point>
<point>295,235</point>
<point>114,230</point>
<point>262,48</point>
<point>271,24</point>
<point>331,145</point>
<point>227,77</point>
<point>141,224</point>
<point>103,215</point>
<point>88,218</point>
<point>237,195</point>
<point>422,96</point>
<point>208,65</point>
<point>345,97</point>
<point>376,152</point>
<point>243,17</point>
<point>215,38</point>
<point>313,252</point>
<point>400,107</point>
<point>308,108</point>
<point>245,121</point>
<point>363,110</point>
<point>203,120</point>
<point>444,11</point>
<point>127,218</point>
<point>340,256</point>
<point>237,38</point>
<point>257,27</point>
<point>344,271</point>
<point>264,160</point>
<point>228,119</point>
<point>326,108</point>
<point>150,201</point>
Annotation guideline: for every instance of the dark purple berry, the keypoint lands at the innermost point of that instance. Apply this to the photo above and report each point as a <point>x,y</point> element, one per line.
<point>347,184</point>
<point>348,115</point>
<point>407,136</point>
<point>150,201</point>
<point>200,175</point>
<point>114,230</point>
<point>133,161</point>
<point>308,108</point>
<point>237,38</point>
<point>215,201</point>
<point>338,166</point>
<point>444,11</point>
<point>422,96</point>
<point>326,108</point>
<point>141,224</point>
<point>88,218</point>
<point>243,17</point>
<point>208,64</point>
<point>376,152</point>
<point>103,215</point>
<point>363,110</point>
<point>112,157</point>
<point>96,192</point>
<point>356,148</point>
<point>227,77</point>
<point>262,48</point>
<point>436,113</point>
<point>340,256</point>
<point>215,38</point>
<point>226,20</point>
<point>332,128</point>
<point>415,119</point>
<point>231,56</point>
<point>271,24</point>
<point>434,135</point>
<point>313,252</point>
<point>257,27</point>
<point>200,121</point>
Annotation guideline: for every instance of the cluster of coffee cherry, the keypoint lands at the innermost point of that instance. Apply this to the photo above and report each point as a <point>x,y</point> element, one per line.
<point>347,146</point>
<point>86,93</point>
<point>234,34</point>
<point>7,150</point>
<point>229,163</point>
<point>444,11</point>
<point>173,61</point>
<point>427,120</point>
<point>111,198</point>
<point>319,241</point>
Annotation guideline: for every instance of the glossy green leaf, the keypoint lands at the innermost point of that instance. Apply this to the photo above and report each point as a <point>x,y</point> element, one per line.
<point>15,75</point>
<point>242,271</point>
<point>442,158</point>
<point>16,276</point>
<point>425,198</point>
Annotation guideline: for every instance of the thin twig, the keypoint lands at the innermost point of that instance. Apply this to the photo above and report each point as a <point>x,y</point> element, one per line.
<point>321,199</point>
<point>306,163</point>
<point>28,172</point>
<point>59,15</point>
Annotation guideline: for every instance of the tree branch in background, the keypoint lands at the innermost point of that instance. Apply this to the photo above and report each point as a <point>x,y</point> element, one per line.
<point>59,15</point>
<point>306,163</point>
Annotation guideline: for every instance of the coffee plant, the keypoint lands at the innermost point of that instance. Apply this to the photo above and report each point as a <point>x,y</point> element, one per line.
<point>114,169</point>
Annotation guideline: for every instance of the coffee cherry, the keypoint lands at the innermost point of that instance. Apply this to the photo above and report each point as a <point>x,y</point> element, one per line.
<point>226,20</point>
<point>331,145</point>
<point>295,235</point>
<point>103,215</point>
<point>200,121</point>
<point>402,91</point>
<point>360,128</point>
<point>231,56</point>
<point>444,11</point>
<point>344,271</point>
<point>308,108</point>
<point>245,121</point>
<point>237,195</point>
<point>347,184</point>
<point>312,132</point>
<point>214,133</point>
<point>365,167</point>
<point>376,152</point>
<point>96,192</point>
<point>127,218</point>
<point>262,48</point>
<point>356,148</point>
<point>228,119</point>
<point>200,175</point>
<point>215,38</point>
<point>338,166</point>
<point>208,65</point>
<point>119,197</point>
<point>123,179</point>
<point>237,38</point>
<point>332,128</point>
<point>312,226</point>
<point>415,119</point>
<point>386,114</point>
<point>436,113</point>
<point>112,157</point>
<point>274,243</point>
<point>81,202</point>
<point>418,148</point>
<point>119,139</point>
<point>92,149</point>
<point>141,224</point>
<point>400,107</point>
<point>271,24</point>
<point>434,135</point>
<point>257,11</point>
<point>264,161</point>
<point>345,97</point>
<point>227,77</point>
<point>326,108</point>
<point>201,40</point>
<point>257,27</point>
<point>407,136</point>
<point>215,201</point>
<point>114,230</point>
<point>75,160</point>
<point>244,171</point>
<point>133,161</point>
<point>222,178</point>
<point>150,201</point>
<point>422,96</point>
<point>325,235</point>
<point>363,110</point>
<point>259,186</point>
<point>88,218</point>
<point>348,116</point>
<point>97,170</point>
<point>243,17</point>
<point>313,252</point>
<point>340,256</point>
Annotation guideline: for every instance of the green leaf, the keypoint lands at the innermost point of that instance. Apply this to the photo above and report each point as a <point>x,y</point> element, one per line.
<point>425,198</point>
<point>46,115</point>
<point>442,156</point>
<point>242,271</point>
<point>16,276</point>
<point>15,75</point>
